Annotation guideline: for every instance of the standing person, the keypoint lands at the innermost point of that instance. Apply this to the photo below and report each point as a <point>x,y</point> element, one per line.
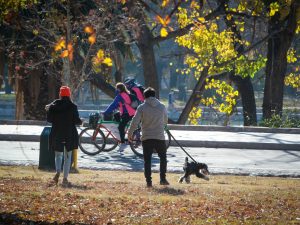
<point>63,115</point>
<point>122,101</point>
<point>152,115</point>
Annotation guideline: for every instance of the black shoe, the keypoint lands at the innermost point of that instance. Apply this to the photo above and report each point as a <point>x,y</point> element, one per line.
<point>164,182</point>
<point>149,184</point>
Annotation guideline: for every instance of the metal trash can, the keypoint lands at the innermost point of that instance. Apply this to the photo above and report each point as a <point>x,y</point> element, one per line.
<point>47,157</point>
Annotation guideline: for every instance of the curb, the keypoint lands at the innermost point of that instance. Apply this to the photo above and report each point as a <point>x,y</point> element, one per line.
<point>178,127</point>
<point>238,145</point>
<point>184,143</point>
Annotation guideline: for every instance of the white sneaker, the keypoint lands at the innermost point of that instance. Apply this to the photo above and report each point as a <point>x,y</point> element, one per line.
<point>122,147</point>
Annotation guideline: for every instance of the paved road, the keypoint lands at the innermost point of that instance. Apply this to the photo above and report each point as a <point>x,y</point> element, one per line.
<point>191,138</point>
<point>220,161</point>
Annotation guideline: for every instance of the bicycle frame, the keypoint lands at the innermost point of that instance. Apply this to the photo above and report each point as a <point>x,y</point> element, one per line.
<point>109,132</point>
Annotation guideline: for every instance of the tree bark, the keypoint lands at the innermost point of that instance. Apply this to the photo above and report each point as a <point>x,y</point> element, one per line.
<point>198,89</point>
<point>245,88</point>
<point>145,45</point>
<point>278,46</point>
<point>100,83</point>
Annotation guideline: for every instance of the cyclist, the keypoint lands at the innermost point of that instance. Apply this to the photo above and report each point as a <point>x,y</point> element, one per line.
<point>122,101</point>
<point>135,89</point>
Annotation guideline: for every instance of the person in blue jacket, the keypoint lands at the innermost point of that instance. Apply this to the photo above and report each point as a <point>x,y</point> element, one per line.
<point>122,102</point>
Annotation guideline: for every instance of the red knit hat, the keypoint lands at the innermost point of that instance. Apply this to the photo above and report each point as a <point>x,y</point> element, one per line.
<point>64,91</point>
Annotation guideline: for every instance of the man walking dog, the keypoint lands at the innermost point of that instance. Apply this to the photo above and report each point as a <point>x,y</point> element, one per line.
<point>152,115</point>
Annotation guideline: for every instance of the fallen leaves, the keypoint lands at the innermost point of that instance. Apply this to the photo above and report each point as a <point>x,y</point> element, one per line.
<point>109,200</point>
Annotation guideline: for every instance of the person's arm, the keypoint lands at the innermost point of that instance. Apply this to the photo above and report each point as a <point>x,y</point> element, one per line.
<point>114,105</point>
<point>77,120</point>
<point>135,122</point>
<point>49,111</point>
<point>165,117</point>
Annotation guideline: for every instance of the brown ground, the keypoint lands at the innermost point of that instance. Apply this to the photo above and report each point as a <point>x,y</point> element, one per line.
<point>119,197</point>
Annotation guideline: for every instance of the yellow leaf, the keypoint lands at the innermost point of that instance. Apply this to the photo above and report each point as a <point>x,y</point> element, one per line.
<point>201,19</point>
<point>70,47</point>
<point>61,44</point>
<point>163,32</point>
<point>100,54</point>
<point>165,3</point>
<point>89,30</point>
<point>122,1</point>
<point>107,61</point>
<point>92,39</point>
<point>163,21</point>
<point>229,17</point>
<point>64,54</point>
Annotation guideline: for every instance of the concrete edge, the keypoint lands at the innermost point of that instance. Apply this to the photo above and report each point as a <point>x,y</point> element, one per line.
<point>184,143</point>
<point>178,127</point>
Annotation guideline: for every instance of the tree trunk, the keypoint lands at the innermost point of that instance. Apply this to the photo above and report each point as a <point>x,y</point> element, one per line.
<point>193,98</point>
<point>278,46</point>
<point>245,88</point>
<point>146,48</point>
<point>100,83</point>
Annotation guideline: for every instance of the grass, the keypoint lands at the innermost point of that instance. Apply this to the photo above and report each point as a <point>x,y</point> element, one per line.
<point>7,97</point>
<point>120,197</point>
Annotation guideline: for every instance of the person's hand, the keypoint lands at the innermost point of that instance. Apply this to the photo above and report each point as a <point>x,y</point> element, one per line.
<point>47,107</point>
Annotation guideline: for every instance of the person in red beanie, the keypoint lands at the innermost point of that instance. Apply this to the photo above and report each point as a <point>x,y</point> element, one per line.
<point>64,116</point>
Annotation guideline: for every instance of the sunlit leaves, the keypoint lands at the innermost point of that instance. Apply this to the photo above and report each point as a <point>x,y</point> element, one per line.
<point>101,59</point>
<point>92,34</point>
<point>274,7</point>
<point>194,115</point>
<point>163,32</point>
<point>247,67</point>
<point>35,32</point>
<point>224,97</point>
<point>7,7</point>
<point>107,61</point>
<point>292,80</point>
<point>164,22</point>
<point>291,55</point>
<point>165,3</point>
<point>61,44</point>
<point>92,39</point>
<point>122,1</point>
<point>89,30</point>
<point>63,49</point>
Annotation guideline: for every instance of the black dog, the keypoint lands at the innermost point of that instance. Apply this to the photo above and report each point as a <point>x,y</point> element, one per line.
<point>199,169</point>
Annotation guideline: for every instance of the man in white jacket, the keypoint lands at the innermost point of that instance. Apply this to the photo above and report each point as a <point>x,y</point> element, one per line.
<point>152,115</point>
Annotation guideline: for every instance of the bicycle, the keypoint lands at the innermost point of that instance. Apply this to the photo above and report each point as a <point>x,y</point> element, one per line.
<point>104,136</point>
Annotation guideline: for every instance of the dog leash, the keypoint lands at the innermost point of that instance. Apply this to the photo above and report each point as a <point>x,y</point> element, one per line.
<point>182,147</point>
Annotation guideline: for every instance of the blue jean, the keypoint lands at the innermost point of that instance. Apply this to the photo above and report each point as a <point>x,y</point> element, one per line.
<point>67,162</point>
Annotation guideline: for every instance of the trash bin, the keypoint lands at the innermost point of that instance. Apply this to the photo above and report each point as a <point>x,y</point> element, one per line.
<point>47,157</point>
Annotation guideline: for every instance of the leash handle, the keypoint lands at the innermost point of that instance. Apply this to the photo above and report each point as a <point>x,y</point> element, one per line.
<point>182,147</point>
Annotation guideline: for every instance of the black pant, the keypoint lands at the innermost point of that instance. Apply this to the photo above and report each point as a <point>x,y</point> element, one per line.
<point>160,147</point>
<point>125,118</point>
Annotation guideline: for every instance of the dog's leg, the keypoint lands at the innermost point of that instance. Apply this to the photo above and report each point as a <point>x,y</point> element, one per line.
<point>202,176</point>
<point>181,179</point>
<point>188,179</point>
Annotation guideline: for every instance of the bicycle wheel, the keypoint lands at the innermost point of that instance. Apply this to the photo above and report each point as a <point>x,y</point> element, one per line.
<point>91,141</point>
<point>110,142</point>
<point>136,144</point>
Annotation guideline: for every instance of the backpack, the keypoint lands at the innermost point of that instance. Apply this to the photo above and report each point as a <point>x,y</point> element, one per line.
<point>134,101</point>
<point>135,94</point>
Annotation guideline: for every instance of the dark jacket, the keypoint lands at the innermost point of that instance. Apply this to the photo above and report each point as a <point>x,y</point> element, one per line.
<point>63,115</point>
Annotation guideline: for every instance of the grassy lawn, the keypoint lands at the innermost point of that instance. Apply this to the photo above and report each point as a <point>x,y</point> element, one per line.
<point>120,197</point>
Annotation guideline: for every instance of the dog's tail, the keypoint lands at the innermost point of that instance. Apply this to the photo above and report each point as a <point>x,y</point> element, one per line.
<point>186,159</point>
